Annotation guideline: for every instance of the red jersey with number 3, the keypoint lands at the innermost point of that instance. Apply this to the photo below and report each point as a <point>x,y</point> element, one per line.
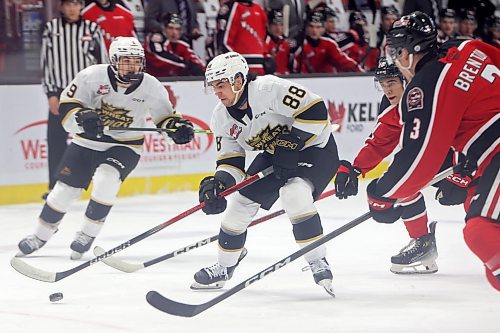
<point>452,101</point>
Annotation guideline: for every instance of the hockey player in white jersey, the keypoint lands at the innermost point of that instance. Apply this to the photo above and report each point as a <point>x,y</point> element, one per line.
<point>289,125</point>
<point>118,95</point>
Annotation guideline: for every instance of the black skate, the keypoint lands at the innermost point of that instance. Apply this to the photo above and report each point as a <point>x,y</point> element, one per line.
<point>419,256</point>
<point>215,276</point>
<point>322,274</point>
<point>80,245</point>
<point>29,245</point>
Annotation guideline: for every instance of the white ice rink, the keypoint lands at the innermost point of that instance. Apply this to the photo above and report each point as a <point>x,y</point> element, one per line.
<point>369,297</point>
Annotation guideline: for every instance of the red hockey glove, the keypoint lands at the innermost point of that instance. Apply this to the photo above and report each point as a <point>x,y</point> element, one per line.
<point>346,181</point>
<point>453,190</point>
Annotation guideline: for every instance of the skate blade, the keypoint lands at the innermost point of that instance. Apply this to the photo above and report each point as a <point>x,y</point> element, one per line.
<point>20,254</point>
<point>214,286</point>
<point>76,255</point>
<point>327,285</point>
<point>415,268</point>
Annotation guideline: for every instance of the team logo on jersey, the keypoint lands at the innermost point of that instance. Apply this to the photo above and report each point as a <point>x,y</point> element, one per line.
<point>415,99</point>
<point>113,116</point>
<point>235,131</point>
<point>265,139</point>
<point>104,89</point>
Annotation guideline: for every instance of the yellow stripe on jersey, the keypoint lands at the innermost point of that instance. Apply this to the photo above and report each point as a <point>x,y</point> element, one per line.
<point>223,157</point>
<point>70,113</point>
<point>307,107</point>
<point>232,167</point>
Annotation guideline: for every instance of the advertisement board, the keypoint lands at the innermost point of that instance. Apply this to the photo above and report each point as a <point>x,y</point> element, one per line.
<point>352,104</point>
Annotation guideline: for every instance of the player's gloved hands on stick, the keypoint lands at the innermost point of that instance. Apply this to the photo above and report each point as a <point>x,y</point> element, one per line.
<point>453,190</point>
<point>381,208</point>
<point>346,181</point>
<point>89,120</point>
<point>286,155</point>
<point>183,133</point>
<point>209,193</point>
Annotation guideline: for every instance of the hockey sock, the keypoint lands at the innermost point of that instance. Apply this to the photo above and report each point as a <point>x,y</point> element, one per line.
<point>482,236</point>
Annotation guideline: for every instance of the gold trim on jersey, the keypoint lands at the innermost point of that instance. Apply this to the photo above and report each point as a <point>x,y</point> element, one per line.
<point>242,172</point>
<point>311,139</point>
<point>70,113</point>
<point>162,119</point>
<point>305,108</point>
<point>308,240</point>
<point>223,157</point>
<point>304,121</point>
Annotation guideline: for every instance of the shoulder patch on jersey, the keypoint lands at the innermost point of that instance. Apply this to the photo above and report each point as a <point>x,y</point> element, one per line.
<point>235,131</point>
<point>104,89</point>
<point>415,99</point>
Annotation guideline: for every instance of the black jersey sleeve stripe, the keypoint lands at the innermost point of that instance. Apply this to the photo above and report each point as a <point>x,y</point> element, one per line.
<point>236,161</point>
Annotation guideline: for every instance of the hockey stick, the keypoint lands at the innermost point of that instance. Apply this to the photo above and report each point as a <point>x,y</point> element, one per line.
<point>150,129</point>
<point>170,306</point>
<point>128,267</point>
<point>46,276</point>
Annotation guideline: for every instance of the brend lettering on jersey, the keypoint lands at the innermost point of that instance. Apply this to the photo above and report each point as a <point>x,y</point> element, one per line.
<point>470,70</point>
<point>359,114</point>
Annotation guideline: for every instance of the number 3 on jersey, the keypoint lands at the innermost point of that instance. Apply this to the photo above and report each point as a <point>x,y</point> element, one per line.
<point>291,101</point>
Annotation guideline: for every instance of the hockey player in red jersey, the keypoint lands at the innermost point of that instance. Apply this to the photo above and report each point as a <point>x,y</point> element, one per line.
<point>277,46</point>
<point>241,27</point>
<point>319,54</point>
<point>167,55</point>
<point>113,19</point>
<point>420,255</point>
<point>452,100</point>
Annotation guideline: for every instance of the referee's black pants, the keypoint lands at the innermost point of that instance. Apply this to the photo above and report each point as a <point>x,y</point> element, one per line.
<point>57,139</point>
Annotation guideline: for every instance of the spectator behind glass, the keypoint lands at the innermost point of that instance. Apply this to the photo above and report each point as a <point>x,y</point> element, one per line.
<point>296,18</point>
<point>447,25</point>
<point>277,46</point>
<point>467,24</point>
<point>318,54</point>
<point>241,27</point>
<point>168,55</point>
<point>157,9</point>
<point>492,33</point>
<point>61,59</point>
<point>114,19</point>
<point>387,17</point>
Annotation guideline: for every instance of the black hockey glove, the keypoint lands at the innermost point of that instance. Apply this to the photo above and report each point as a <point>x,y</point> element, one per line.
<point>346,181</point>
<point>89,120</point>
<point>209,193</point>
<point>453,190</point>
<point>183,133</point>
<point>382,209</point>
<point>286,155</point>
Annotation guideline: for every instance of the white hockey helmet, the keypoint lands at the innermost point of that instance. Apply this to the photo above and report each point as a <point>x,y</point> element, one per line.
<point>227,66</point>
<point>126,47</point>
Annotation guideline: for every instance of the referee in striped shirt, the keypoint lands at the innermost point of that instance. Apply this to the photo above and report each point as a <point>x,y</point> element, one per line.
<point>69,44</point>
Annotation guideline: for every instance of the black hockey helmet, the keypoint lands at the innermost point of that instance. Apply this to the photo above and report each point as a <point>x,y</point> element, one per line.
<point>386,70</point>
<point>316,17</point>
<point>415,32</point>
<point>389,10</point>
<point>275,17</point>
<point>170,18</point>
<point>329,13</point>
<point>357,17</point>
<point>447,13</point>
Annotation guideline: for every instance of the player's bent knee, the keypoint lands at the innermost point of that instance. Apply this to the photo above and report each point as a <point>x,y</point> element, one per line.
<point>62,196</point>
<point>107,182</point>
<point>296,198</point>
<point>239,214</point>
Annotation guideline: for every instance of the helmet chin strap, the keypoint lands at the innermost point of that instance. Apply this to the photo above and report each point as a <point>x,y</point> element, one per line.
<point>238,93</point>
<point>406,70</point>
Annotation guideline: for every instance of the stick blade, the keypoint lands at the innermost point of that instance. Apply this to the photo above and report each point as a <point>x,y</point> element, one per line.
<point>117,263</point>
<point>32,272</point>
<point>172,307</point>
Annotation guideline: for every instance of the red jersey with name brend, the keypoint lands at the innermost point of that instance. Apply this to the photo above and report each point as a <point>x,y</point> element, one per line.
<point>241,27</point>
<point>452,101</point>
<point>323,56</point>
<point>114,21</point>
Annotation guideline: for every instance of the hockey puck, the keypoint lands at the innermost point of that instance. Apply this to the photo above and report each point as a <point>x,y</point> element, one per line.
<point>55,297</point>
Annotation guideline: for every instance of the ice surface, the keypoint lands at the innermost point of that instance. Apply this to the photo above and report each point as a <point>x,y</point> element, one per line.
<point>369,297</point>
